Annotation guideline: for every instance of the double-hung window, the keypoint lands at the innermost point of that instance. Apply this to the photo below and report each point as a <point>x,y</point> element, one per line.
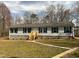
<point>15,30</point>
<point>29,30</point>
<point>24,30</point>
<point>67,29</point>
<point>45,30</point>
<point>54,29</point>
<point>42,29</point>
<point>11,30</point>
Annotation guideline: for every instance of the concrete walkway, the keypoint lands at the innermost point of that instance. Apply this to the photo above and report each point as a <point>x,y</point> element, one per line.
<point>49,45</point>
<point>70,50</point>
<point>65,53</point>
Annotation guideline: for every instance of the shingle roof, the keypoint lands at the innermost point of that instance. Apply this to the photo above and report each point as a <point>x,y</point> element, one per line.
<point>44,25</point>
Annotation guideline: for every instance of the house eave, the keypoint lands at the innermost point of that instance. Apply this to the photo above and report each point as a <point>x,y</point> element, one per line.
<point>61,24</point>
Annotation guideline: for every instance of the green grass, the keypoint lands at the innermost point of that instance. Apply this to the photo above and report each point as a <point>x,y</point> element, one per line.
<point>73,55</point>
<point>61,42</point>
<point>21,48</point>
<point>65,43</point>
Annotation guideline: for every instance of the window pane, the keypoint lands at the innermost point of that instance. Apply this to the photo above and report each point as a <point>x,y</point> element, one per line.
<point>40,30</point>
<point>67,30</point>
<point>54,29</point>
<point>24,30</point>
<point>29,30</point>
<point>11,30</point>
<point>45,30</point>
<point>16,30</point>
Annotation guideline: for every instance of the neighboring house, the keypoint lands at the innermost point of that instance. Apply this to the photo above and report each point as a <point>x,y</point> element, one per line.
<point>76,31</point>
<point>75,18</point>
<point>59,29</point>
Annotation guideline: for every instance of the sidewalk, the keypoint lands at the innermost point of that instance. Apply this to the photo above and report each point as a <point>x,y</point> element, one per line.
<point>65,53</point>
<point>49,45</point>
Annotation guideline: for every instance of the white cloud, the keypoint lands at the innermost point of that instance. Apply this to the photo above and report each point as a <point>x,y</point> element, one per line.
<point>16,6</point>
<point>33,8</point>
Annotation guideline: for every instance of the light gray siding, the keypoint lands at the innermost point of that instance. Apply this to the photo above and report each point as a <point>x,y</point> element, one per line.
<point>20,33</point>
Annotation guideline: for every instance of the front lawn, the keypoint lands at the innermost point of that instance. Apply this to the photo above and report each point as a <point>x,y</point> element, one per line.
<point>61,42</point>
<point>65,43</point>
<point>22,48</point>
<point>73,55</point>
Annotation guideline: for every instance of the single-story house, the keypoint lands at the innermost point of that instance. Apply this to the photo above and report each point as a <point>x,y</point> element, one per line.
<point>55,29</point>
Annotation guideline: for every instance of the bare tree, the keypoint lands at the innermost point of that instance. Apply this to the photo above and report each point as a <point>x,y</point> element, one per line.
<point>76,10</point>
<point>76,6</point>
<point>67,15</point>
<point>50,13</point>
<point>5,18</point>
<point>34,18</point>
<point>58,13</point>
